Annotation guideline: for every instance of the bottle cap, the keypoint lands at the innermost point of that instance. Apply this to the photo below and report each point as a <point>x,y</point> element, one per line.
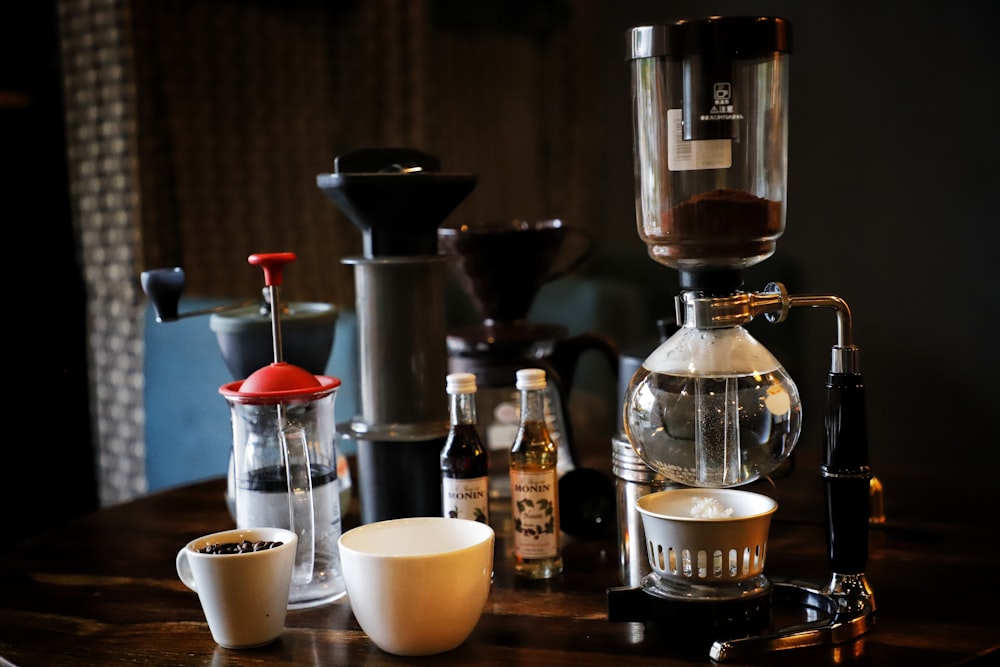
<point>461,383</point>
<point>530,378</point>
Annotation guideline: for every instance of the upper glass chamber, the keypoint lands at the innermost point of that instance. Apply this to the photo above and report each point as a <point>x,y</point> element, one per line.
<point>710,139</point>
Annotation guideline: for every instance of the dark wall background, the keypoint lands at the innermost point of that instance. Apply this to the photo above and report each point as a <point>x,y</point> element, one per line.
<point>48,462</point>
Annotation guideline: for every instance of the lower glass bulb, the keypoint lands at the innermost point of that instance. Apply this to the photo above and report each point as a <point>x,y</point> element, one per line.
<point>712,408</point>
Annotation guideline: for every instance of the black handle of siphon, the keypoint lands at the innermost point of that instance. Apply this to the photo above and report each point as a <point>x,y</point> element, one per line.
<point>847,474</point>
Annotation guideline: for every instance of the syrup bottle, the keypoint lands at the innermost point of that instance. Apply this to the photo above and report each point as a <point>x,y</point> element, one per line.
<point>534,484</point>
<point>464,458</point>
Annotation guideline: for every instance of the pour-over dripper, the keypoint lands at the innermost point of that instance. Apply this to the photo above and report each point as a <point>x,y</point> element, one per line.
<point>502,265</point>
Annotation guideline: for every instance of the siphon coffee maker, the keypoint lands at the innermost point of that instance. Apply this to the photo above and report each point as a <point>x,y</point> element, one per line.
<point>710,408</point>
<point>501,266</point>
<point>284,458</point>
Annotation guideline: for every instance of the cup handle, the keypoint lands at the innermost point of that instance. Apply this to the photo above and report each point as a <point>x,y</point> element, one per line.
<point>184,569</point>
<point>301,512</point>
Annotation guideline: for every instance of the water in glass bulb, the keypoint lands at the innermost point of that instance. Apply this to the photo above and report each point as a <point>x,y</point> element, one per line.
<point>712,408</point>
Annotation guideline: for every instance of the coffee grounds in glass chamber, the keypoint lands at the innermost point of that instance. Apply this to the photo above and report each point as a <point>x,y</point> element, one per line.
<point>720,223</point>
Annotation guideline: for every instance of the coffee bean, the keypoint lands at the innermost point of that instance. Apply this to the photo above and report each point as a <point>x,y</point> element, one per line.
<point>246,546</point>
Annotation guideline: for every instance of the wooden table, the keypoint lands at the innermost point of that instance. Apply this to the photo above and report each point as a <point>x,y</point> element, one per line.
<point>102,590</point>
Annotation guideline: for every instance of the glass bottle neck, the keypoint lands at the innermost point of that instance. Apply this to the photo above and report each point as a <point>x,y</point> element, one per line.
<point>532,405</point>
<point>462,408</point>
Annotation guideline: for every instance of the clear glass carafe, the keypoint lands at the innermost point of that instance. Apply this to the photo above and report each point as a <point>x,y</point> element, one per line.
<point>285,475</point>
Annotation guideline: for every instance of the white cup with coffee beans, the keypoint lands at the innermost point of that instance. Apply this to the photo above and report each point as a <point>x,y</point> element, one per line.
<point>242,578</point>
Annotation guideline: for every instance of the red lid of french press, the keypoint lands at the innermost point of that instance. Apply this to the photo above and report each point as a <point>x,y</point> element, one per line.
<point>280,381</point>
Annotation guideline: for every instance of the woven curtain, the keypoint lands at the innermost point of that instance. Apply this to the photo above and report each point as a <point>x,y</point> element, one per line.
<point>99,126</point>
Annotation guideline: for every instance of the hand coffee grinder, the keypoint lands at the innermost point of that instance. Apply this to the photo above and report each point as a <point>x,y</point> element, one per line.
<point>398,197</point>
<point>711,408</point>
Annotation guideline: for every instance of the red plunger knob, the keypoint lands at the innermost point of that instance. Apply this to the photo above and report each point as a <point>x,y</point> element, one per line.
<point>272,263</point>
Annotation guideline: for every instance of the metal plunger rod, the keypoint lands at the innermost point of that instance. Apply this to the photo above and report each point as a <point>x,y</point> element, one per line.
<point>272,263</point>
<point>272,297</point>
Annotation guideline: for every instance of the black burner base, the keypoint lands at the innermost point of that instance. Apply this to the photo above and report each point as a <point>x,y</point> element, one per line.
<point>691,621</point>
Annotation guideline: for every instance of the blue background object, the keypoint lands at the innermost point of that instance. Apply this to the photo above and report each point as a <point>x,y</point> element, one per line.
<point>188,432</point>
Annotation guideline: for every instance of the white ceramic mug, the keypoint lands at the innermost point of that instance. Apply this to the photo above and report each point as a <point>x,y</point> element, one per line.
<point>244,595</point>
<point>418,586</point>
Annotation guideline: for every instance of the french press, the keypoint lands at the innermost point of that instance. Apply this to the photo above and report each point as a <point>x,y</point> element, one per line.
<point>285,458</point>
